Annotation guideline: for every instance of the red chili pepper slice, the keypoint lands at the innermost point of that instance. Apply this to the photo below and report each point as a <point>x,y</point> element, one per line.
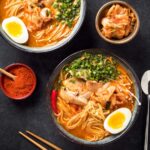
<point>54,100</point>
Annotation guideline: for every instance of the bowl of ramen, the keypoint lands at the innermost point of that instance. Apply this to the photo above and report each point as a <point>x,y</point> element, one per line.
<point>94,97</point>
<point>41,25</point>
<point>117,22</point>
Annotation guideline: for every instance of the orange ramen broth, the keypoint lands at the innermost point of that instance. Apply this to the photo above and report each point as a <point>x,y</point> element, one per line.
<point>33,42</point>
<point>53,31</point>
<point>123,71</point>
<point>84,133</point>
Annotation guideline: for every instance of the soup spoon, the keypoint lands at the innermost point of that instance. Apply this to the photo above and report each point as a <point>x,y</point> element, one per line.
<point>145,84</point>
<point>11,76</point>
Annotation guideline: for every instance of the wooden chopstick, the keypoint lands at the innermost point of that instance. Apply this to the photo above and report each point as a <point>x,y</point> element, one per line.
<point>32,141</point>
<point>44,141</point>
<point>13,77</point>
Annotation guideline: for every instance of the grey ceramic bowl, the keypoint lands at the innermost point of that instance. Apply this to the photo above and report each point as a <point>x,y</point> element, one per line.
<point>101,14</point>
<point>58,45</point>
<point>132,75</point>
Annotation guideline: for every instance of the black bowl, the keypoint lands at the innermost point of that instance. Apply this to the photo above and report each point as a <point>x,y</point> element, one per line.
<point>130,72</point>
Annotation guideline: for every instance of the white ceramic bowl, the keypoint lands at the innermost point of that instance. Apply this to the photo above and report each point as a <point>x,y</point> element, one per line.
<point>54,47</point>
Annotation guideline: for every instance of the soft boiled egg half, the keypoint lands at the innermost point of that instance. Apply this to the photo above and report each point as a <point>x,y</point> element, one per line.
<point>118,120</point>
<point>15,29</point>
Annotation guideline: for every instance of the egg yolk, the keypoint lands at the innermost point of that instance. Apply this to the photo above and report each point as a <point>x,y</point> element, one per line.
<point>116,121</point>
<point>14,29</point>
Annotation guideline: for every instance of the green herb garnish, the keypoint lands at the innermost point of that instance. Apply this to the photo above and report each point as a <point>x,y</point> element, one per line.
<point>67,10</point>
<point>93,67</point>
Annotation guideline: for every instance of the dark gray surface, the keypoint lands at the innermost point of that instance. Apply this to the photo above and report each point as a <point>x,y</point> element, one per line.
<point>33,114</point>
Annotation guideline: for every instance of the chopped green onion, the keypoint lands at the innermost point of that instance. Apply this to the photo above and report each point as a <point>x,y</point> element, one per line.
<point>67,10</point>
<point>93,67</point>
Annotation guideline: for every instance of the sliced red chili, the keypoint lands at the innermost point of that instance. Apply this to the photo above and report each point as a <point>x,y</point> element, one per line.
<point>54,100</point>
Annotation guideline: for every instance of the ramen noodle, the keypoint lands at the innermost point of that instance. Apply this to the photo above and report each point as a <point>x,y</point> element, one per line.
<point>89,89</point>
<point>48,21</point>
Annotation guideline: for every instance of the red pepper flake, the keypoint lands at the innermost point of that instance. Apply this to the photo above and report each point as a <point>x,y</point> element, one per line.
<point>22,85</point>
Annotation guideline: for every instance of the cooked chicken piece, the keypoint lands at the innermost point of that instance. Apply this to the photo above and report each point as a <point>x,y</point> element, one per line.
<point>74,84</point>
<point>93,85</point>
<point>99,99</point>
<point>73,97</point>
<point>36,15</point>
<point>35,23</point>
<point>103,88</point>
<point>86,95</point>
<point>104,93</point>
<point>118,100</point>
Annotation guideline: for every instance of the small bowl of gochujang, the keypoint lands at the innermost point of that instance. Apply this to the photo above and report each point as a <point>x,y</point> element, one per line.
<point>24,84</point>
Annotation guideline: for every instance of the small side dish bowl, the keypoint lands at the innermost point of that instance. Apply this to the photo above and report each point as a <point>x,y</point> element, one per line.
<point>54,77</point>
<point>101,14</point>
<point>24,84</point>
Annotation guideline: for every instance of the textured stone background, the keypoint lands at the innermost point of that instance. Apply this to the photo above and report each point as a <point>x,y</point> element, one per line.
<point>33,114</point>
